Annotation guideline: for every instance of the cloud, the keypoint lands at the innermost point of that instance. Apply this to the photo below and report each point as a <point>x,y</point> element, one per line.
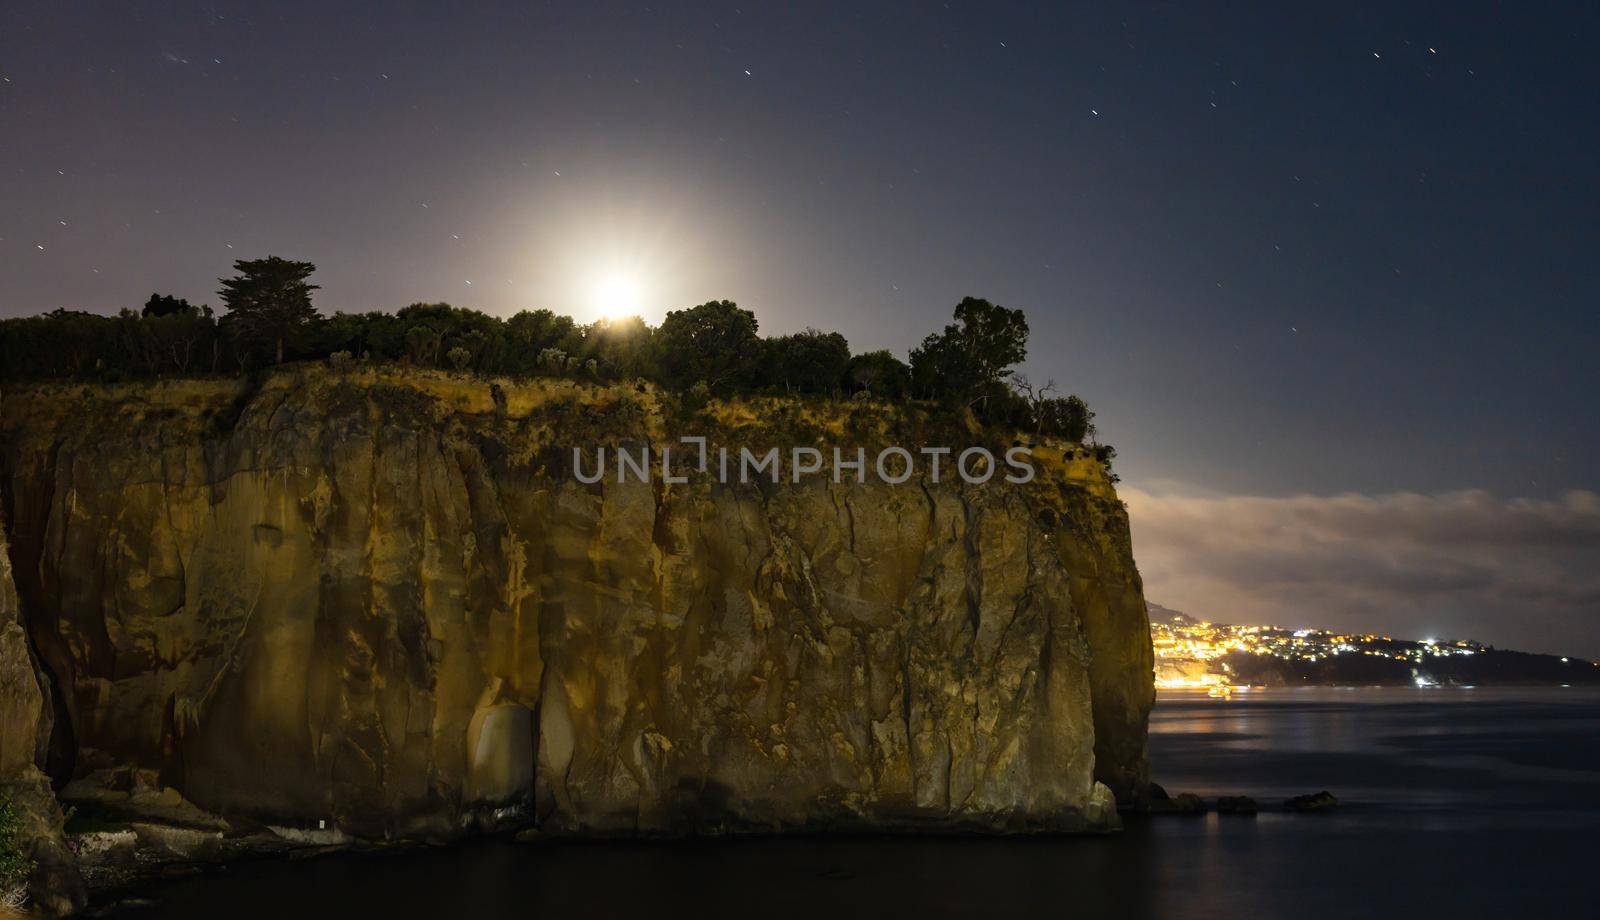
<point>1516,573</point>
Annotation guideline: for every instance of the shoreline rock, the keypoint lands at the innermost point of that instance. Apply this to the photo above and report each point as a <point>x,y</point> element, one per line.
<point>1311,802</point>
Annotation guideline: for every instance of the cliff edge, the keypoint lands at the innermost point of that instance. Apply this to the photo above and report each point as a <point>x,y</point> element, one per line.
<point>381,600</point>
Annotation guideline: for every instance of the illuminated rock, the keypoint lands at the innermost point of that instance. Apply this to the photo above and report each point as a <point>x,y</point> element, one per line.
<point>54,884</point>
<point>381,600</point>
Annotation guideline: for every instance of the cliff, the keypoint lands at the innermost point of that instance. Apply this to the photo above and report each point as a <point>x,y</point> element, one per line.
<point>381,600</point>
<point>52,883</point>
<point>24,709</point>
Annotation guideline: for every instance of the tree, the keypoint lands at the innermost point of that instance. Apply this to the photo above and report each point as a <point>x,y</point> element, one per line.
<point>1033,396</point>
<point>972,354</point>
<point>423,343</point>
<point>992,336</point>
<point>812,361</point>
<point>166,305</point>
<point>79,340</point>
<point>527,334</point>
<point>373,336</point>
<point>1066,417</point>
<point>879,373</point>
<point>167,338</point>
<point>269,300</point>
<point>472,343</point>
<point>939,368</point>
<point>621,347</point>
<point>715,342</point>
<point>1037,398</point>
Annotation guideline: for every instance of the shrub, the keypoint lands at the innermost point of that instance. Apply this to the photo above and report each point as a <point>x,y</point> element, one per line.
<point>15,864</point>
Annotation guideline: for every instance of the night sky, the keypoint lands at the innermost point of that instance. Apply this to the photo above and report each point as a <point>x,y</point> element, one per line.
<point>1327,275</point>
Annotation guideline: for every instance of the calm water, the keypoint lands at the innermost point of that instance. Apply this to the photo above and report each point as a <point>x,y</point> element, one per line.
<point>1459,803</point>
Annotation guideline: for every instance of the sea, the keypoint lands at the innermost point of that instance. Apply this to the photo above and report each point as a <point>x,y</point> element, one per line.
<point>1453,802</point>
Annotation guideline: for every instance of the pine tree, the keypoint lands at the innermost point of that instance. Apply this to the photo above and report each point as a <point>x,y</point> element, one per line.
<point>269,300</point>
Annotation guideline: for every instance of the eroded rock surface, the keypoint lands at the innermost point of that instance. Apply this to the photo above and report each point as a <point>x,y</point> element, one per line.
<point>383,602</point>
<point>54,886</point>
<point>24,707</point>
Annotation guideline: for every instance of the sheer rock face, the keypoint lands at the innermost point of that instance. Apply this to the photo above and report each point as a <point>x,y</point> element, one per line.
<point>24,708</point>
<point>54,886</point>
<point>385,602</point>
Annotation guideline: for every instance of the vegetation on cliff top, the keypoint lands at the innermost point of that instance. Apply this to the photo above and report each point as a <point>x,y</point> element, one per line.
<point>711,349</point>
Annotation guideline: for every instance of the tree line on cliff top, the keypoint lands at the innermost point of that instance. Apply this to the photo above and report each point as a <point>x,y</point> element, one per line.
<point>711,349</point>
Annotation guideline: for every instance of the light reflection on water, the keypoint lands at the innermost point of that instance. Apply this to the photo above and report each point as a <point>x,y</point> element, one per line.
<point>1455,802</point>
<point>1485,749</point>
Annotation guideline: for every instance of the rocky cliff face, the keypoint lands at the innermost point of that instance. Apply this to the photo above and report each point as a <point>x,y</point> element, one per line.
<point>24,709</point>
<point>384,602</point>
<point>25,725</point>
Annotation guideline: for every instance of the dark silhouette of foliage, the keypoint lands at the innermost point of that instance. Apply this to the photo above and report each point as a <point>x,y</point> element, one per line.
<point>1066,417</point>
<point>700,352</point>
<point>1000,406</point>
<point>879,373</point>
<point>532,331</point>
<point>371,336</point>
<point>812,361</point>
<point>269,301</point>
<point>423,344</point>
<point>166,305</point>
<point>964,360</point>
<point>61,343</point>
<point>176,341</point>
<point>715,342</point>
<point>623,348</point>
<point>1105,453</point>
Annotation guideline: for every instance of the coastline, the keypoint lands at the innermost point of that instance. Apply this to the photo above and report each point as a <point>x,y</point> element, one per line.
<point>1414,811</point>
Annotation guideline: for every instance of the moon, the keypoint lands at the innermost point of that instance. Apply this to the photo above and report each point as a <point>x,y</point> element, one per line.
<point>617,295</point>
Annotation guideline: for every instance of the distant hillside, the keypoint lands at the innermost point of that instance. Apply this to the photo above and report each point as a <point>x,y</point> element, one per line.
<point>1166,616</point>
<point>1195,653</point>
